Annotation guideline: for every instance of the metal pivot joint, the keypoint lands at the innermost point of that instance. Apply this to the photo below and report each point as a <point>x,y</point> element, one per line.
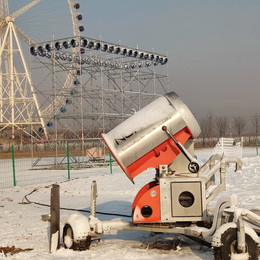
<point>193,166</point>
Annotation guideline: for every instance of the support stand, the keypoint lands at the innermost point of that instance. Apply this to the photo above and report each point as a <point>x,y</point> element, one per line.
<point>55,218</point>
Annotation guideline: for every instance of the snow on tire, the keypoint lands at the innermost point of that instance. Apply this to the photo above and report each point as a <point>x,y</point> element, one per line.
<point>68,236</point>
<point>229,249</point>
<point>68,240</point>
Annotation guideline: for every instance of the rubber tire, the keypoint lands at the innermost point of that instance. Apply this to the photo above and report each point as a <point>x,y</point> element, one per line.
<point>228,239</point>
<point>71,244</point>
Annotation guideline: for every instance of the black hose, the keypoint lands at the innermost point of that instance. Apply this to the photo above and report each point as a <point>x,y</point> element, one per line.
<point>80,210</point>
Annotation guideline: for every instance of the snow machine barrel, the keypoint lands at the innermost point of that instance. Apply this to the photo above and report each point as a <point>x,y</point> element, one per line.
<point>141,141</point>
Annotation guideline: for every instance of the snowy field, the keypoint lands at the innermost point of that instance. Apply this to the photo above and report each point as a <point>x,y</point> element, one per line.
<point>22,225</point>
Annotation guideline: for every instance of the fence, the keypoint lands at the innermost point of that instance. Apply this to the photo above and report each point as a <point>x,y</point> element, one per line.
<point>212,141</point>
<point>21,171</point>
<point>15,171</point>
<point>229,147</point>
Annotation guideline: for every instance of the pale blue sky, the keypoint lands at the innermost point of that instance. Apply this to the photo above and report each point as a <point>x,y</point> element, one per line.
<point>213,46</point>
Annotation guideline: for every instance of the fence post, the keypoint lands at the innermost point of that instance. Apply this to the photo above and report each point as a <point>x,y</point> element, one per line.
<point>222,145</point>
<point>110,162</point>
<point>68,160</point>
<point>55,218</point>
<point>256,145</point>
<point>14,181</point>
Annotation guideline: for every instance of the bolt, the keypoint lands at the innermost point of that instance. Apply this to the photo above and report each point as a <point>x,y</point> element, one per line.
<point>164,128</point>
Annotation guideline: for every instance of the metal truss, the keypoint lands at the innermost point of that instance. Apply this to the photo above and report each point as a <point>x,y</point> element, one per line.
<point>93,85</point>
<point>18,103</point>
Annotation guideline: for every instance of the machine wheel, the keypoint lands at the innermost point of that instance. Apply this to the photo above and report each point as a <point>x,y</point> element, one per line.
<point>229,241</point>
<point>68,240</point>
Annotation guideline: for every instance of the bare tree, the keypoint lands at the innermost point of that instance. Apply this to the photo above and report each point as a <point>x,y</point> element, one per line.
<point>206,125</point>
<point>203,127</point>
<point>210,124</point>
<point>239,125</point>
<point>221,125</point>
<point>255,120</point>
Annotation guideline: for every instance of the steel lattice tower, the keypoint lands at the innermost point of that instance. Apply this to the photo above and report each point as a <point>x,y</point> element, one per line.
<point>19,108</point>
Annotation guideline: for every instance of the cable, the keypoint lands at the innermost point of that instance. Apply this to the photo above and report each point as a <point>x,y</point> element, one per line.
<point>80,210</point>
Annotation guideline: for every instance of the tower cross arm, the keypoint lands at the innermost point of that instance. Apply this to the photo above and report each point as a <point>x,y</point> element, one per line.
<point>24,9</point>
<point>26,38</point>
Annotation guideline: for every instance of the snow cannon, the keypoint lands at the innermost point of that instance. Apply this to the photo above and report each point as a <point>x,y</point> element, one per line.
<point>162,133</point>
<point>179,198</point>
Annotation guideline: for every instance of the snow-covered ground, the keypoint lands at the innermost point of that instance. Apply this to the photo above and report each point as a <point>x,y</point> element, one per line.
<point>22,225</point>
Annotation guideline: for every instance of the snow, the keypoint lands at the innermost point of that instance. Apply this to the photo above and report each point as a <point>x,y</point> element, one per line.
<point>22,225</point>
<point>54,242</point>
<point>243,256</point>
<point>68,241</point>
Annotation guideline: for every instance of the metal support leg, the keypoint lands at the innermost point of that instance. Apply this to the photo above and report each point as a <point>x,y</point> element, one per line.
<point>93,199</point>
<point>241,236</point>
